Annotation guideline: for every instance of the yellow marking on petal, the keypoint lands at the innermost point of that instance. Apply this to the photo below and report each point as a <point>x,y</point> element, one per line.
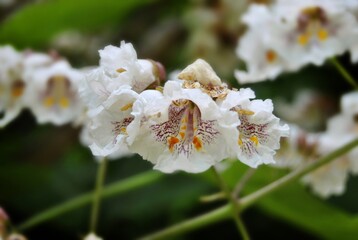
<point>182,134</point>
<point>322,34</point>
<point>245,112</point>
<point>120,70</point>
<point>127,106</point>
<point>310,11</point>
<point>64,102</point>
<point>172,141</point>
<point>255,140</point>
<point>303,39</point>
<point>180,102</point>
<point>17,92</point>
<point>239,141</point>
<point>197,143</point>
<point>124,130</point>
<point>271,56</point>
<point>48,102</point>
<point>183,127</point>
<point>160,89</point>
<point>17,89</point>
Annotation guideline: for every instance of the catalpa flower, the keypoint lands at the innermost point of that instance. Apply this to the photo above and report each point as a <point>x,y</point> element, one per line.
<point>313,30</point>
<point>296,149</point>
<point>352,6</point>
<point>119,66</point>
<point>123,65</point>
<point>259,131</point>
<point>108,128</point>
<point>110,92</point>
<point>331,178</point>
<point>54,96</point>
<point>183,127</point>
<point>262,60</point>
<point>344,127</point>
<point>12,86</point>
<point>303,147</point>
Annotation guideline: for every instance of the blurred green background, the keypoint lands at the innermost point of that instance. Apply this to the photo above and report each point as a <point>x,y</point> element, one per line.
<point>44,165</point>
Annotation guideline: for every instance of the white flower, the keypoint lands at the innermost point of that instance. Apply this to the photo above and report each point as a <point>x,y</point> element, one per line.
<point>354,51</point>
<point>110,92</point>
<point>181,129</point>
<point>122,65</point>
<point>290,34</point>
<point>259,131</point>
<point>344,126</point>
<point>118,67</point>
<point>262,60</point>
<point>349,103</point>
<point>108,129</point>
<point>308,109</point>
<point>331,178</point>
<point>342,129</point>
<point>53,93</point>
<point>87,140</point>
<point>314,30</point>
<point>12,85</point>
<point>296,149</point>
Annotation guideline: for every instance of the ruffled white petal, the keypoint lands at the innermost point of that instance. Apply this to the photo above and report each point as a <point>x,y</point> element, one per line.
<point>54,100</point>
<point>161,128</point>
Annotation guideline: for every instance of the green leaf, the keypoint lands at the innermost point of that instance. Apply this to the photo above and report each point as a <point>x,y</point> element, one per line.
<point>298,206</point>
<point>35,24</point>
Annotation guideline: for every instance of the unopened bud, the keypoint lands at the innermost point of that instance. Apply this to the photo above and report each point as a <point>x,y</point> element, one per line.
<point>201,72</point>
<point>159,74</point>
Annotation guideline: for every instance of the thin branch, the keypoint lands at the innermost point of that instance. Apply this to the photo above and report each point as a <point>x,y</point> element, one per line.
<point>101,174</point>
<point>235,208</point>
<point>224,212</point>
<point>113,189</point>
<point>346,75</point>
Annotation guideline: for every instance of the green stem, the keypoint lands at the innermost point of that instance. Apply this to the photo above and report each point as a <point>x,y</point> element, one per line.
<point>241,184</point>
<point>213,197</point>
<point>346,75</point>
<point>113,189</point>
<point>101,175</point>
<point>214,216</point>
<point>235,209</point>
<point>223,212</point>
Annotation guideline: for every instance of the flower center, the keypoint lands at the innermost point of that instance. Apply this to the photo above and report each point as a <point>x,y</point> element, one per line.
<point>271,56</point>
<point>17,89</point>
<point>120,127</point>
<point>312,24</point>
<point>57,92</point>
<point>185,131</point>
<point>250,134</point>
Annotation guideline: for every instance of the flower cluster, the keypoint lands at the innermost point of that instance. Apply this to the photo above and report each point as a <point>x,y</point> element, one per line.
<point>289,34</point>
<point>45,84</point>
<point>190,124</point>
<point>303,147</point>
